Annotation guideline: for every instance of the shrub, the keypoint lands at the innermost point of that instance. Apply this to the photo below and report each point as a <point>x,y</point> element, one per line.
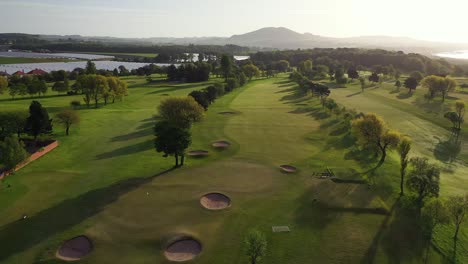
<point>231,84</point>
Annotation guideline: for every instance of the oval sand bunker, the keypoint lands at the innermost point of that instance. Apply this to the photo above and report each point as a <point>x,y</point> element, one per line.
<point>198,153</point>
<point>288,168</point>
<point>184,249</point>
<point>215,201</point>
<point>75,248</point>
<point>222,144</point>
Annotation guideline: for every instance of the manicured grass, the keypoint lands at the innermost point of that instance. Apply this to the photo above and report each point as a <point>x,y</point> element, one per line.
<point>10,60</point>
<point>106,181</point>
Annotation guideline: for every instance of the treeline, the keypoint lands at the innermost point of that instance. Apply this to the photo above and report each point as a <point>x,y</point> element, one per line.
<point>190,72</point>
<point>360,59</point>
<point>97,87</point>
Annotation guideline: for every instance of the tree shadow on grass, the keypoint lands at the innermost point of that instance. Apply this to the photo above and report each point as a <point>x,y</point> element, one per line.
<point>128,150</point>
<point>173,88</point>
<point>21,235</point>
<point>448,150</point>
<point>134,135</point>
<point>404,95</point>
<point>354,94</point>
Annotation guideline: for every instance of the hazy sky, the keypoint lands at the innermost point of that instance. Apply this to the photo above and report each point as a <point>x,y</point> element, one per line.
<point>422,19</point>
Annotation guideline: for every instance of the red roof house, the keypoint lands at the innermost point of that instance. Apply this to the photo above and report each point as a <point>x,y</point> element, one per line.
<point>37,72</point>
<point>19,73</point>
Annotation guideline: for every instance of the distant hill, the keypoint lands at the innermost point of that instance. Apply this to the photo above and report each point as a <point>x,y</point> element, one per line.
<point>266,38</point>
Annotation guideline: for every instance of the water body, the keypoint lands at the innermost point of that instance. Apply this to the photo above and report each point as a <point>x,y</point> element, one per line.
<point>461,54</point>
<point>22,54</point>
<point>70,66</point>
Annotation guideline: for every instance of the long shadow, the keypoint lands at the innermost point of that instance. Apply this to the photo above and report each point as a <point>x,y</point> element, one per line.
<point>404,95</point>
<point>145,131</point>
<point>354,94</point>
<point>128,150</point>
<point>371,252</point>
<point>448,151</point>
<point>24,234</point>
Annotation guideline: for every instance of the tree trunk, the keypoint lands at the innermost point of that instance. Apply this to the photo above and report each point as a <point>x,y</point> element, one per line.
<point>402,182</point>
<point>182,159</point>
<point>95,103</point>
<point>67,130</point>
<point>176,160</point>
<point>457,228</point>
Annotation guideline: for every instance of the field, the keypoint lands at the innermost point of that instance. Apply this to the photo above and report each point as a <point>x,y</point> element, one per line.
<point>106,181</point>
<point>12,60</point>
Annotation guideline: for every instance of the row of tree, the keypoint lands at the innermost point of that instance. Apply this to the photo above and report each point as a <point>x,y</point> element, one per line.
<point>97,87</point>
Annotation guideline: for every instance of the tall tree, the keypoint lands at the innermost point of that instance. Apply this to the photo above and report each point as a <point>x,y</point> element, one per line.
<point>226,66</point>
<point>255,246</point>
<point>68,117</point>
<point>403,150</point>
<point>251,71</point>
<point>90,68</point>
<point>371,130</point>
<point>460,110</point>
<point>458,207</point>
<point>12,152</point>
<point>3,84</point>
<point>38,121</point>
<point>181,111</point>
<point>423,179</point>
<point>411,83</point>
<point>172,140</point>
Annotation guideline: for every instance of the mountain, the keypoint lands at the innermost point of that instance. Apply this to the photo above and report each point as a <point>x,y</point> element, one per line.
<point>266,38</point>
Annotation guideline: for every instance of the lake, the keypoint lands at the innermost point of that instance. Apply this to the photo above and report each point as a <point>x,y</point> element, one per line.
<point>70,66</point>
<point>23,54</point>
<point>461,54</point>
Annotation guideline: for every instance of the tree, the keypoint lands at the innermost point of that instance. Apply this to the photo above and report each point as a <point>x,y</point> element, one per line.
<point>90,68</point>
<point>411,83</point>
<point>12,152</point>
<point>251,71</point>
<point>181,111</point>
<point>353,73</point>
<point>38,121</point>
<point>403,150</point>
<point>460,110</point>
<point>118,89</point>
<point>433,214</point>
<point>417,75</point>
<point>172,140</point>
<point>362,81</point>
<point>438,85</point>
<point>423,179</point>
<point>226,66</point>
<point>255,245</point>
<point>371,131</point>
<point>282,66</point>
<point>457,207</point>
<point>3,84</point>
<point>68,117</point>
<point>398,85</point>
<point>201,97</point>
<point>374,78</point>
<point>59,87</point>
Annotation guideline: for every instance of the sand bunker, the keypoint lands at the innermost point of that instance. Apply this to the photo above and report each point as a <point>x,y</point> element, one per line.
<point>288,168</point>
<point>75,248</point>
<point>222,144</point>
<point>184,249</point>
<point>215,201</point>
<point>198,153</point>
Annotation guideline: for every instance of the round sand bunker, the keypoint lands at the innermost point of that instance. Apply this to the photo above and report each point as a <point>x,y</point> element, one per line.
<point>198,153</point>
<point>75,248</point>
<point>184,249</point>
<point>288,168</point>
<point>215,201</point>
<point>221,144</point>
